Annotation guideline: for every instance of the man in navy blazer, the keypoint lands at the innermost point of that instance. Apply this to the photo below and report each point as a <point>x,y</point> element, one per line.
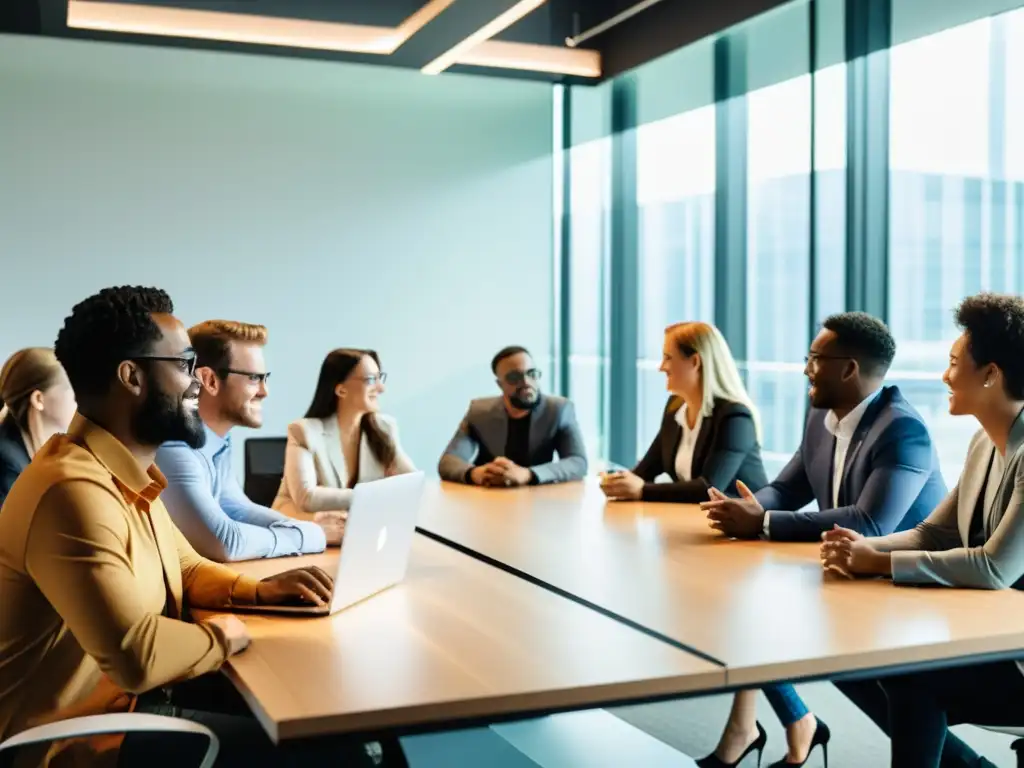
<point>866,457</point>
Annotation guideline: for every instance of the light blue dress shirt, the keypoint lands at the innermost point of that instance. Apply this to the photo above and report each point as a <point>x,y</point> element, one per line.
<point>208,505</point>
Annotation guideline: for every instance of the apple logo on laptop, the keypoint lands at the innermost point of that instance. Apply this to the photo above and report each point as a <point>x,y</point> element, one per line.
<point>382,538</point>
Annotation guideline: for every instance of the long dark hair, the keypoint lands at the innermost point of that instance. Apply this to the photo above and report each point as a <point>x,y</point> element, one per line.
<point>338,366</point>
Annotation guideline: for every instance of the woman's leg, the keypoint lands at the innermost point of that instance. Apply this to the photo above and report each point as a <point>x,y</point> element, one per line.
<point>798,721</point>
<point>741,729</point>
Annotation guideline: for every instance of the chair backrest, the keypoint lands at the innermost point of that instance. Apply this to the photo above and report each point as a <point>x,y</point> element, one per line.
<point>121,722</point>
<point>264,468</point>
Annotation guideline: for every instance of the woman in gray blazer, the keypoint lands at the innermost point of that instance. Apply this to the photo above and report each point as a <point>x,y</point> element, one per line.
<point>342,441</point>
<point>974,538</point>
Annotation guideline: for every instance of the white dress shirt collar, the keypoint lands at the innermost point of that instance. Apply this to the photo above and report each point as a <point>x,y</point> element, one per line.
<point>845,427</point>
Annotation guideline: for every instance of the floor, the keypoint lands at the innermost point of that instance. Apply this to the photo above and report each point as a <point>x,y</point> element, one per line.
<point>693,726</point>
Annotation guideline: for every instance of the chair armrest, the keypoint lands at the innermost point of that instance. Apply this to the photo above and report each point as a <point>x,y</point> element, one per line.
<point>122,722</point>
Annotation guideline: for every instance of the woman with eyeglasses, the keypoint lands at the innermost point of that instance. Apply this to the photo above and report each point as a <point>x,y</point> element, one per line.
<point>709,438</point>
<point>37,402</point>
<point>342,440</point>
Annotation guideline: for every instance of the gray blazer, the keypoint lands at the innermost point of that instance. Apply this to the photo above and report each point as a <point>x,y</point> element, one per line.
<point>483,432</point>
<point>937,551</point>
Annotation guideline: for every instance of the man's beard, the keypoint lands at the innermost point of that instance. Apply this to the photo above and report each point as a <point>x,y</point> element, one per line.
<point>524,404</point>
<point>163,418</point>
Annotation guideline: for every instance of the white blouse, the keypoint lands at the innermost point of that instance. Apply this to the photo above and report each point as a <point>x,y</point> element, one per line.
<point>684,456</point>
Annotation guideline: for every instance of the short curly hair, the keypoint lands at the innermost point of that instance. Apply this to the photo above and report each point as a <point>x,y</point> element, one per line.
<point>866,338</point>
<point>105,329</point>
<point>994,324</point>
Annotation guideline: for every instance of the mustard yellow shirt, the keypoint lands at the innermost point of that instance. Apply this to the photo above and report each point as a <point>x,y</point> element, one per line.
<point>93,575</point>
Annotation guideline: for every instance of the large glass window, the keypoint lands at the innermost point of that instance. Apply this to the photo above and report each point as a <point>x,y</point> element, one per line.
<point>956,200</point>
<point>590,203</point>
<point>676,200</point>
<point>778,261</point>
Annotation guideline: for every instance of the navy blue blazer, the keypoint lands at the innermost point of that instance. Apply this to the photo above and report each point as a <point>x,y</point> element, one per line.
<point>13,455</point>
<point>891,479</point>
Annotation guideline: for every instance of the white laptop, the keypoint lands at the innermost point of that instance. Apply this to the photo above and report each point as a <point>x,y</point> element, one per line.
<point>375,549</point>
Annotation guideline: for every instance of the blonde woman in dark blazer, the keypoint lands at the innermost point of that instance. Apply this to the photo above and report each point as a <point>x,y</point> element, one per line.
<point>973,539</point>
<point>342,441</point>
<point>710,434</point>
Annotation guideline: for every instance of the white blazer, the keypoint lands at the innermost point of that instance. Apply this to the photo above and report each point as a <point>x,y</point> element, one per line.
<point>315,475</point>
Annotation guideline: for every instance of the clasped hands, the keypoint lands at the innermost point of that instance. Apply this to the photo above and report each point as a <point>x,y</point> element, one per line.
<point>850,554</point>
<point>501,473</point>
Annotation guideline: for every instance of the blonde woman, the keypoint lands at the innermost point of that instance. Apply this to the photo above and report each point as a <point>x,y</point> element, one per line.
<point>710,435</point>
<point>37,403</point>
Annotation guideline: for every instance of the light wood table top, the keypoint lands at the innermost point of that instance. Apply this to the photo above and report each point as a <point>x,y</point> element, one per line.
<point>457,639</point>
<point>765,609</point>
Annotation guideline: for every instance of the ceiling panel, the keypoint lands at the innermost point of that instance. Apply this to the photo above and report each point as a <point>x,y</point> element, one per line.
<point>377,13</point>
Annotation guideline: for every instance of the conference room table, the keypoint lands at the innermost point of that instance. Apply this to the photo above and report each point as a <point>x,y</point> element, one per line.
<point>522,602</point>
<point>457,642</point>
<point>765,611</point>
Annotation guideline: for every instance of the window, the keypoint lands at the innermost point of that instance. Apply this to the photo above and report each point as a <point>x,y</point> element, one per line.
<point>676,199</point>
<point>830,173</point>
<point>956,157</point>
<point>778,261</point>
<point>590,202</point>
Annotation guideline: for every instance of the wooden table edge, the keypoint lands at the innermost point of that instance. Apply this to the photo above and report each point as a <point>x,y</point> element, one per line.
<point>445,715</point>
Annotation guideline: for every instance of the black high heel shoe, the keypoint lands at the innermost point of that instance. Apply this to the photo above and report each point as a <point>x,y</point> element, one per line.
<point>711,761</point>
<point>821,736</point>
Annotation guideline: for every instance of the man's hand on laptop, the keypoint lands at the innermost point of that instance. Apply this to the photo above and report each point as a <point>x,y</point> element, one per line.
<point>306,586</point>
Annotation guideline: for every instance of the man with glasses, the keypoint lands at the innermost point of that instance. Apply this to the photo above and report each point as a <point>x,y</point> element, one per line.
<point>868,461</point>
<point>512,440</point>
<point>96,582</point>
<point>203,495</point>
<point>866,457</point>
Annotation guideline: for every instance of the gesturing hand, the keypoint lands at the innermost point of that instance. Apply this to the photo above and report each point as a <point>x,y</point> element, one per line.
<point>310,585</point>
<point>742,518</point>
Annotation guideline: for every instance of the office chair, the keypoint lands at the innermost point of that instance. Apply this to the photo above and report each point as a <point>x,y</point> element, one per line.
<point>1017,746</point>
<point>121,722</point>
<point>264,468</point>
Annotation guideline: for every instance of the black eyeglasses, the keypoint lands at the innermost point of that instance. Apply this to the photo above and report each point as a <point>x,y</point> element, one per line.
<point>515,378</point>
<point>375,378</point>
<point>253,377</point>
<point>186,361</point>
<point>813,357</point>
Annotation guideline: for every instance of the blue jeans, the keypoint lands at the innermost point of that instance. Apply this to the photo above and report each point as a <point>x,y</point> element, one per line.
<point>786,703</point>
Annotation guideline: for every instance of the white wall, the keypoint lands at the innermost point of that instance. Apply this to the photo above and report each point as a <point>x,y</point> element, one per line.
<point>340,205</point>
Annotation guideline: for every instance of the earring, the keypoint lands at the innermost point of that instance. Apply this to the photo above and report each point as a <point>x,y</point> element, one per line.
<point>988,383</point>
